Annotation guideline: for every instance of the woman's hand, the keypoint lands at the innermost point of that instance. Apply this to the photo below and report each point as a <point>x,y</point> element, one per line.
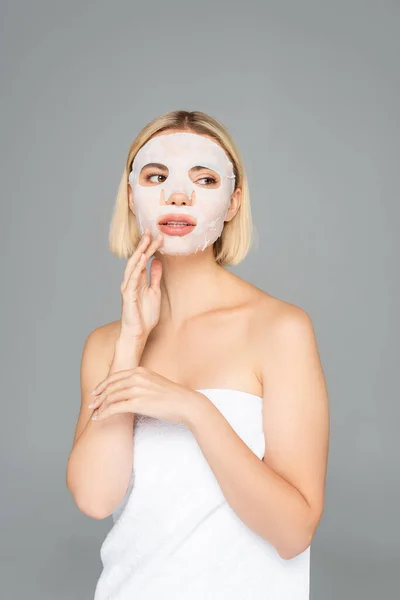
<point>141,302</point>
<point>146,392</point>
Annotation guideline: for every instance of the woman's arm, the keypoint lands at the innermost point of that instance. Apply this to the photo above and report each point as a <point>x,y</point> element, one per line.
<point>280,497</point>
<point>100,462</point>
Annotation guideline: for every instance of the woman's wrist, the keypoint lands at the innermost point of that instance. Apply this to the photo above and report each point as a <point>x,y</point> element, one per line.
<point>196,410</point>
<point>128,351</point>
<point>128,339</point>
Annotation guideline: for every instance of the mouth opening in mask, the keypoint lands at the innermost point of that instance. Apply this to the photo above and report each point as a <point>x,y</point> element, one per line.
<point>176,224</point>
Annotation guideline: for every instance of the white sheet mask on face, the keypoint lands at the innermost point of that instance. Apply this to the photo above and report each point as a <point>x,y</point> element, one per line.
<point>180,152</point>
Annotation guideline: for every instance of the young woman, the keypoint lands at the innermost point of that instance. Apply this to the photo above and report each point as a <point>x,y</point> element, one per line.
<point>203,428</point>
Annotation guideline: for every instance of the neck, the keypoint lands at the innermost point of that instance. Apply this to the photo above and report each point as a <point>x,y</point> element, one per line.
<point>190,285</point>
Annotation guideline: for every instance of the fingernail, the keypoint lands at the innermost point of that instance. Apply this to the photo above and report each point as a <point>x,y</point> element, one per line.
<point>94,415</point>
<point>91,404</point>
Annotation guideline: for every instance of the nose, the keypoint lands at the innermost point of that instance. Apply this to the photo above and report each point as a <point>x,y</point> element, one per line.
<point>177,198</point>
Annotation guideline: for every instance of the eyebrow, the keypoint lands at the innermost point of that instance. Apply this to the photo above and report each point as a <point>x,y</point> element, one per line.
<point>199,168</point>
<point>156,166</point>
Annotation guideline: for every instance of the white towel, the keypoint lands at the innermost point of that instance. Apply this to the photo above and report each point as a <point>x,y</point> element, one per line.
<point>175,537</point>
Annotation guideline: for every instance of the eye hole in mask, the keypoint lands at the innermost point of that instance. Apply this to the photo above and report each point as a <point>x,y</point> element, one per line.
<point>157,174</point>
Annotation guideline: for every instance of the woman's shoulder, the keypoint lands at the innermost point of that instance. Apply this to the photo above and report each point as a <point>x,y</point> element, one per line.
<point>101,339</point>
<point>267,309</point>
<point>107,330</point>
<point>277,328</point>
<point>272,315</point>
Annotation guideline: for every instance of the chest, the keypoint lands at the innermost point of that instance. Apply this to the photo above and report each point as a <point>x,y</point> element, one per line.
<point>214,351</point>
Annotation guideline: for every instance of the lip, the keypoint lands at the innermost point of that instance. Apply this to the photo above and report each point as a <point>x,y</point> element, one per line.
<point>176,217</point>
<point>178,230</point>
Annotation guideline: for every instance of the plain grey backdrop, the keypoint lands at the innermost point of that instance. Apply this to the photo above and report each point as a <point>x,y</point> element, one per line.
<point>310,92</point>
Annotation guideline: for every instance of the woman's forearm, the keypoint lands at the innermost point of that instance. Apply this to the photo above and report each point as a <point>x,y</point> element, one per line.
<point>262,499</point>
<point>100,463</point>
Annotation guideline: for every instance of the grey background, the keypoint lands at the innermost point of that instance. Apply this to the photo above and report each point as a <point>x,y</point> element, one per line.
<point>310,92</point>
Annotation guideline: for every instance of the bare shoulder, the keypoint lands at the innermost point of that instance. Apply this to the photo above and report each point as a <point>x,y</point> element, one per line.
<point>101,340</point>
<point>270,319</point>
<point>277,321</point>
<point>97,354</point>
<point>278,330</point>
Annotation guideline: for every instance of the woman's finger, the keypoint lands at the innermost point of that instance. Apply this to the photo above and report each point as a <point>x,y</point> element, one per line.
<point>155,274</point>
<point>137,271</point>
<point>123,406</point>
<point>142,262</point>
<point>155,244</point>
<point>127,393</point>
<point>133,260</point>
<point>111,378</point>
<point>118,390</point>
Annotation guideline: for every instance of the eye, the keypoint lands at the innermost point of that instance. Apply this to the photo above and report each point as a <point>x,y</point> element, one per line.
<point>208,180</point>
<point>149,176</point>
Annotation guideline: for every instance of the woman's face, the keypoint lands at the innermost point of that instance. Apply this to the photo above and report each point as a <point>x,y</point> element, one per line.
<point>182,185</point>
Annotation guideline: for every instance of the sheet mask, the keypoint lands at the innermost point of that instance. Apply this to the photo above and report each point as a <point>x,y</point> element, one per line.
<point>180,152</point>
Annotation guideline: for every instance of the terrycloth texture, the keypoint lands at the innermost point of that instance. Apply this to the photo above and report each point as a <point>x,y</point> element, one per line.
<point>176,538</point>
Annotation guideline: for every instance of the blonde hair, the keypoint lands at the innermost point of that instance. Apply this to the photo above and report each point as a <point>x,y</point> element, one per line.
<point>237,235</point>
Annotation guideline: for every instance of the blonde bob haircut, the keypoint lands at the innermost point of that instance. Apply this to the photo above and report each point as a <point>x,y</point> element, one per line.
<point>237,235</point>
